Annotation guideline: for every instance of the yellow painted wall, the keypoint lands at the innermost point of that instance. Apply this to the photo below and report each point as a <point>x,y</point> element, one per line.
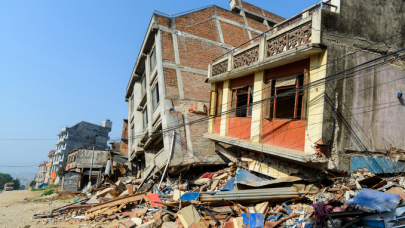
<point>211,122</point>
<point>315,101</point>
<point>257,111</point>
<point>226,104</point>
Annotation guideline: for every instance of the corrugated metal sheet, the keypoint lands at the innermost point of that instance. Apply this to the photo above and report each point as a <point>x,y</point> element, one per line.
<point>376,165</point>
<point>256,194</point>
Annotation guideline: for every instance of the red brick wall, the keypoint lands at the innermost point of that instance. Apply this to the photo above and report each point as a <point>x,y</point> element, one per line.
<point>289,69</point>
<point>203,148</point>
<point>258,10</point>
<point>239,127</point>
<point>229,15</point>
<point>172,91</point>
<point>284,133</point>
<point>243,80</point>
<point>194,87</point>
<point>217,128</point>
<point>252,8</point>
<point>196,54</point>
<point>274,16</point>
<point>256,25</point>
<point>163,21</point>
<point>167,46</point>
<point>234,35</point>
<point>206,29</point>
<point>124,135</point>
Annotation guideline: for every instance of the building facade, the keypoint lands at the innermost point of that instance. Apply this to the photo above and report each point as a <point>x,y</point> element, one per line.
<point>48,172</point>
<point>80,135</point>
<point>167,86</point>
<point>40,176</point>
<point>315,90</point>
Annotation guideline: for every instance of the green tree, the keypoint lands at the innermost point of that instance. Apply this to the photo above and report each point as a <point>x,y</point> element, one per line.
<point>17,184</point>
<point>4,178</point>
<point>32,184</point>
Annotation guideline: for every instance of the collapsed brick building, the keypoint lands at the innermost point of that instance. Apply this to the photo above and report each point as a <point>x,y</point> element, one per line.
<point>166,88</point>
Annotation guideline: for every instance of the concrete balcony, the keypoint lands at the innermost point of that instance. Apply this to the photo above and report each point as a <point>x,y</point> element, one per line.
<point>63,131</point>
<point>295,39</point>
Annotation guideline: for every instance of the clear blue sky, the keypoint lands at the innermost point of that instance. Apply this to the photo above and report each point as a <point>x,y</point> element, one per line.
<point>62,62</point>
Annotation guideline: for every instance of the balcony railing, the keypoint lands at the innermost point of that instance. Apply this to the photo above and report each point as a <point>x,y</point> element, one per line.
<point>283,37</point>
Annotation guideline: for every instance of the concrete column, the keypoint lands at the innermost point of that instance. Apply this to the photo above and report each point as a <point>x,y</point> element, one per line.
<point>337,4</point>
<point>148,93</point>
<point>168,119</point>
<point>257,109</point>
<point>316,27</point>
<point>177,60</point>
<point>211,122</point>
<point>315,101</point>
<point>226,104</point>
<point>138,117</point>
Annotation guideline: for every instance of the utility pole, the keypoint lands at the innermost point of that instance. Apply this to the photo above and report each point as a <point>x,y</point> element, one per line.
<point>91,161</point>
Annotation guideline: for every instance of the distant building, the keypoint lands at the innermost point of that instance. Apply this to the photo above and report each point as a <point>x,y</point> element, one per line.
<point>121,146</point>
<point>80,135</point>
<point>78,168</point>
<point>40,177</point>
<point>49,167</point>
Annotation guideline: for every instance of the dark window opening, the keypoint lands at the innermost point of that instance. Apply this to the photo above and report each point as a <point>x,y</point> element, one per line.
<point>242,98</point>
<point>219,102</point>
<point>285,107</point>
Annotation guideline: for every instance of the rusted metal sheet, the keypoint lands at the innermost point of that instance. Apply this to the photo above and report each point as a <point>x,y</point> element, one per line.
<point>70,181</point>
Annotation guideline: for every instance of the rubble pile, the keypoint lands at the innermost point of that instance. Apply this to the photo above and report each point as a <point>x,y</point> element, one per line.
<point>240,196</point>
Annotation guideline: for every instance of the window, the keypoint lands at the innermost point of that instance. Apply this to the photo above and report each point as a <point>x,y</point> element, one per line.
<point>152,59</point>
<point>145,118</point>
<point>133,133</point>
<point>143,84</point>
<point>219,101</point>
<point>286,107</point>
<point>242,97</point>
<point>155,96</point>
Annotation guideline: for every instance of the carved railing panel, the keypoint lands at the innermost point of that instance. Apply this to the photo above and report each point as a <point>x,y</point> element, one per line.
<point>287,41</point>
<point>247,57</point>
<point>220,68</point>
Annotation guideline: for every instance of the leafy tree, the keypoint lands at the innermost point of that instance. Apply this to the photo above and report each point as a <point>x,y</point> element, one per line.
<point>4,178</point>
<point>22,187</point>
<point>17,184</point>
<point>32,184</point>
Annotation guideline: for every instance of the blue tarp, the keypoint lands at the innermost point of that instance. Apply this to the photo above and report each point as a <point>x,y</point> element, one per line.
<point>376,165</point>
<point>376,200</point>
<point>244,176</point>
<point>42,185</point>
<point>188,196</point>
<point>253,220</point>
<point>229,185</point>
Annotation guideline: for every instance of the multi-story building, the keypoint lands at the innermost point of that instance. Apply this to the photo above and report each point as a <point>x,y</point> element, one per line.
<point>40,176</point>
<point>166,87</point>
<point>49,167</point>
<point>80,135</point>
<point>320,88</point>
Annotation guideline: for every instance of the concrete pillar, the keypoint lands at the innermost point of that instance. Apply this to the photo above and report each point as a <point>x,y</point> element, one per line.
<point>316,27</point>
<point>211,122</point>
<point>315,101</point>
<point>257,109</point>
<point>226,104</point>
<point>337,4</point>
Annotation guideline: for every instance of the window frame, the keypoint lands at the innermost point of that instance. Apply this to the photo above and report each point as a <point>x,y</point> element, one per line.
<point>145,117</point>
<point>155,96</point>
<point>234,99</point>
<point>272,113</point>
<point>220,95</point>
<point>153,56</point>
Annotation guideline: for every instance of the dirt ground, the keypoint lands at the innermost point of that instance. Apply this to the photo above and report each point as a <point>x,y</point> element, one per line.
<point>17,212</point>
